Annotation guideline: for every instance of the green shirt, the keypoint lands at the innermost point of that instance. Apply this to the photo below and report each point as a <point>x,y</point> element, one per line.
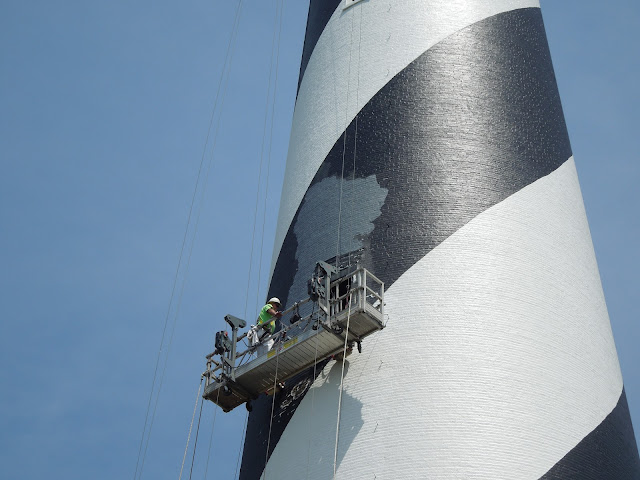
<point>266,320</point>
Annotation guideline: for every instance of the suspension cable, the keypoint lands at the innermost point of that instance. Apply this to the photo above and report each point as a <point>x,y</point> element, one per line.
<point>313,391</point>
<point>273,405</point>
<point>264,134</point>
<point>275,46</point>
<point>186,447</point>
<point>355,135</point>
<point>337,261</point>
<point>195,441</point>
<point>192,242</point>
<point>273,105</point>
<point>344,357</point>
<point>242,437</point>
<point>344,144</point>
<point>213,426</point>
<point>278,36</point>
<point>149,420</point>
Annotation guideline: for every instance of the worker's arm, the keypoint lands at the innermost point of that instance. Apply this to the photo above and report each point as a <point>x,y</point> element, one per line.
<point>274,312</point>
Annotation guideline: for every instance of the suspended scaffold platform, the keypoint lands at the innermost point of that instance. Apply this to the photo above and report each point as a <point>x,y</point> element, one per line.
<point>347,306</point>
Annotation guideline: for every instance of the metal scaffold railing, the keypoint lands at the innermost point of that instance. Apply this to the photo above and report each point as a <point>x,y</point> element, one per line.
<point>352,297</point>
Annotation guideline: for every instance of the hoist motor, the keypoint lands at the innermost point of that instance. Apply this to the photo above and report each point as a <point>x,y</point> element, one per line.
<point>222,343</point>
<point>318,284</point>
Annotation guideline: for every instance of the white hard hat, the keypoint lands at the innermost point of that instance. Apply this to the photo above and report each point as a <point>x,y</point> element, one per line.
<point>274,300</point>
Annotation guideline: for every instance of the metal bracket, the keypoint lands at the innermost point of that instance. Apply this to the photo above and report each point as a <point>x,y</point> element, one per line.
<point>329,269</point>
<point>235,322</point>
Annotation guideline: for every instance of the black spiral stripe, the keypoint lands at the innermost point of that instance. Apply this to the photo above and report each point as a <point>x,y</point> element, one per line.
<point>470,122</point>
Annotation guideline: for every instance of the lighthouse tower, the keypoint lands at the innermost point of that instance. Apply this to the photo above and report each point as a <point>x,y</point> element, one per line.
<point>429,144</point>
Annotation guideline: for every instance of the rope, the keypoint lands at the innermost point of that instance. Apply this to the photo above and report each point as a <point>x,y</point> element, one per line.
<point>190,428</point>
<point>195,441</point>
<point>187,267</point>
<point>275,46</point>
<point>273,404</point>
<point>264,134</point>
<point>213,426</point>
<point>150,420</point>
<point>266,116</point>
<point>226,82</point>
<point>344,145</point>
<point>313,392</point>
<point>344,357</point>
<point>273,105</point>
<point>355,137</point>
<point>278,36</point>
<point>244,432</point>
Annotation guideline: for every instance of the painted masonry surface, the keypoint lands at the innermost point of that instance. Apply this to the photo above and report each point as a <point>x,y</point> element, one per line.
<point>431,135</point>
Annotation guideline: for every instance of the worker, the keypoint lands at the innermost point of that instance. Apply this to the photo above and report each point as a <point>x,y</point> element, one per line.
<point>266,318</point>
<point>265,326</point>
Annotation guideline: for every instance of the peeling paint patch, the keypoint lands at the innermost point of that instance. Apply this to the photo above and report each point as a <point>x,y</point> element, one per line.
<point>336,218</point>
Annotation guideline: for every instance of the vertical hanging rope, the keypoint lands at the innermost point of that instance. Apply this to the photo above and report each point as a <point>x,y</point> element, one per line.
<point>256,207</point>
<point>195,441</point>
<point>344,357</point>
<point>277,35</point>
<point>355,137</point>
<point>149,419</point>
<point>262,148</point>
<point>273,406</point>
<point>344,145</point>
<point>313,391</point>
<point>273,105</point>
<point>244,432</point>
<point>213,426</point>
<point>186,447</point>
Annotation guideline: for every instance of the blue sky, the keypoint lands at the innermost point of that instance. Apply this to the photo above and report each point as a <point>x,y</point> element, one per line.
<point>104,114</point>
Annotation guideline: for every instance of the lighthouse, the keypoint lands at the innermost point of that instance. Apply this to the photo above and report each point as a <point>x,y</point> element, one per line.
<point>429,146</point>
